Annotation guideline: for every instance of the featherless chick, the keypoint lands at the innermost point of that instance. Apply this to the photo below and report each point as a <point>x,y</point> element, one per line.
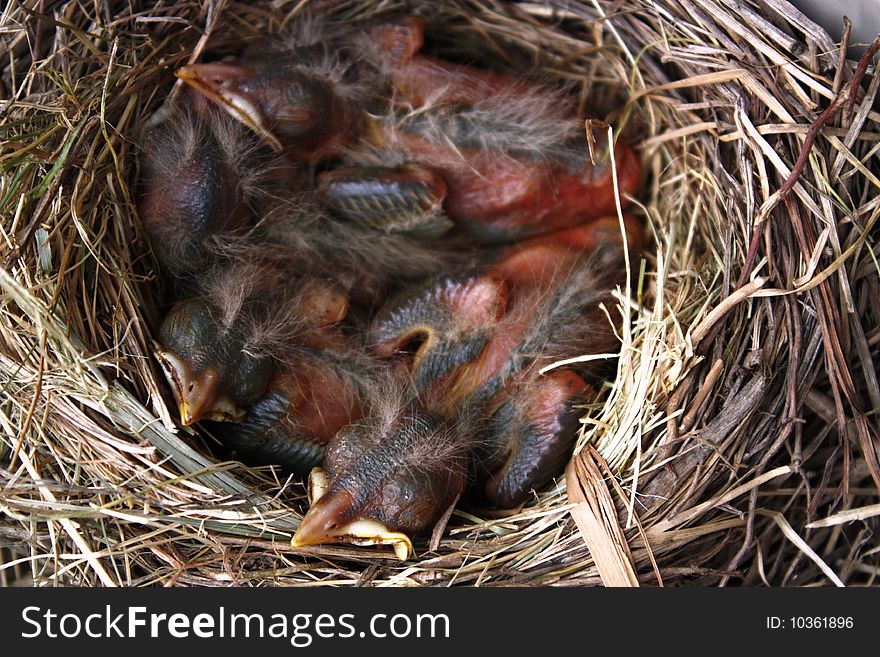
<point>221,347</point>
<point>303,93</point>
<point>475,413</point>
<point>390,474</point>
<point>501,157</point>
<point>203,175</point>
<point>307,91</point>
<point>284,286</point>
<point>505,168</point>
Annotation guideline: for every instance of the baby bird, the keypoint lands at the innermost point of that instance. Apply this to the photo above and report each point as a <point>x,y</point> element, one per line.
<point>303,94</point>
<point>203,175</point>
<point>478,413</point>
<point>308,91</point>
<point>386,476</point>
<point>275,293</point>
<point>504,158</point>
<point>221,348</point>
<point>502,169</point>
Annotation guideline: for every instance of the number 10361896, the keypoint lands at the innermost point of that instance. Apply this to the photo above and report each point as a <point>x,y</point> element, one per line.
<point>810,623</point>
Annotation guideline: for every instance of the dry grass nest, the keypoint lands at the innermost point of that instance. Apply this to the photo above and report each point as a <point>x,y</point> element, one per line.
<point>737,443</point>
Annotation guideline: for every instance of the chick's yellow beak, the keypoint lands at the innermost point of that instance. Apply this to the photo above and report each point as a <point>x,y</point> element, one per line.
<point>198,395</point>
<point>330,520</point>
<point>218,81</point>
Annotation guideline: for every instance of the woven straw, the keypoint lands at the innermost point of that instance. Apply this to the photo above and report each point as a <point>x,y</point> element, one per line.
<point>738,442</point>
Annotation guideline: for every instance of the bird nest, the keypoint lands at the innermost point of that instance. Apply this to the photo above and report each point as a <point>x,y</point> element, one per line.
<point>736,442</point>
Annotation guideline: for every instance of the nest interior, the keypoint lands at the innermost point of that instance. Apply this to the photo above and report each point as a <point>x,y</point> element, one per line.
<point>737,442</point>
